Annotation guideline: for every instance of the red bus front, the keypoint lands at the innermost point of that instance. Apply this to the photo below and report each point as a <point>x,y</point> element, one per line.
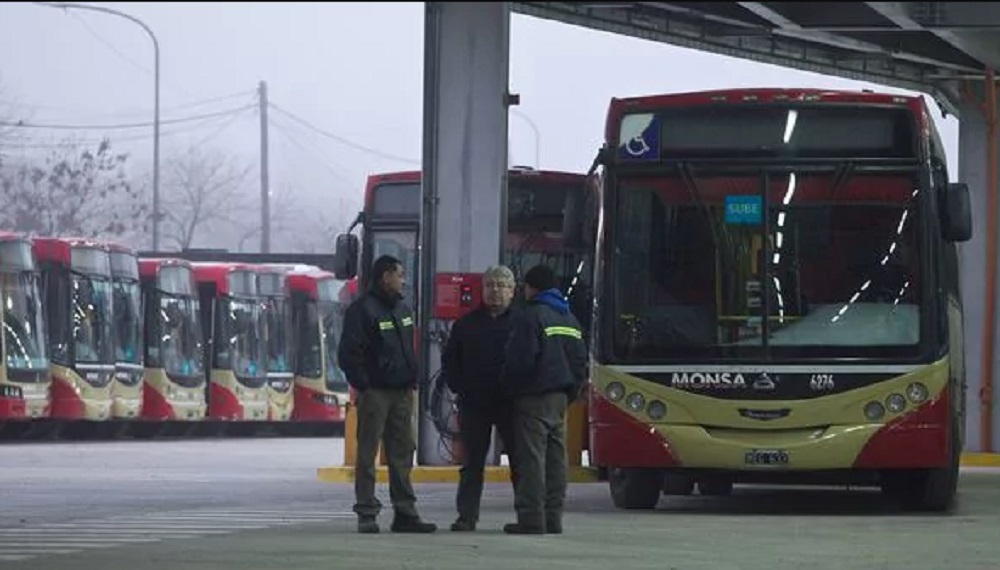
<point>24,368</point>
<point>321,390</point>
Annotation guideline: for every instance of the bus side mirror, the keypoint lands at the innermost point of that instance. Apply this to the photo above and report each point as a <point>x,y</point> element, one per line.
<point>956,213</point>
<point>345,257</point>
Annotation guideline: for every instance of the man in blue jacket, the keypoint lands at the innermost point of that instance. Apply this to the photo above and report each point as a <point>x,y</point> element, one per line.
<point>545,368</point>
<point>376,355</point>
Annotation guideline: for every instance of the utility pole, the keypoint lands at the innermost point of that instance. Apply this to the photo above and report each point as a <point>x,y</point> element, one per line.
<point>265,192</point>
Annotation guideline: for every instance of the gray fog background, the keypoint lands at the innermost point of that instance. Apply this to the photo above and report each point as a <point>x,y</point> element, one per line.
<point>350,70</point>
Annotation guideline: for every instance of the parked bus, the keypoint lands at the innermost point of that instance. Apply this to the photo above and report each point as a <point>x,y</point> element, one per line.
<point>76,283</point>
<point>174,380</point>
<point>280,342</point>
<point>321,390</point>
<point>233,322</point>
<point>779,297</point>
<point>126,389</point>
<point>536,201</point>
<point>24,368</point>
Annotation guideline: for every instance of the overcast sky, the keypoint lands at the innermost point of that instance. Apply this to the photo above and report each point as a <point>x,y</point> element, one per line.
<point>353,70</point>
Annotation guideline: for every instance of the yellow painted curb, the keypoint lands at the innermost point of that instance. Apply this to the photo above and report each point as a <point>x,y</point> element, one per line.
<point>981,460</point>
<point>444,474</point>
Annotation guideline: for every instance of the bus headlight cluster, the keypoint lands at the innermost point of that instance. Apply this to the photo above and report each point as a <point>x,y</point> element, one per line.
<point>874,411</point>
<point>895,403</point>
<point>635,402</point>
<point>656,410</point>
<point>916,392</point>
<point>615,391</point>
<point>10,391</point>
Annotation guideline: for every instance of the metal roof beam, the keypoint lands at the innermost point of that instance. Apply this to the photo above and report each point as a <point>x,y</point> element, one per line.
<point>905,16</point>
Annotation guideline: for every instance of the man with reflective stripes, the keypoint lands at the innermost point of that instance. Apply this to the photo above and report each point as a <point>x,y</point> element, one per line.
<point>376,355</point>
<point>545,367</point>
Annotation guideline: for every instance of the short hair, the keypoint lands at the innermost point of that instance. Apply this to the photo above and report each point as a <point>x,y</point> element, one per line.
<point>384,264</point>
<point>500,273</point>
<point>540,277</point>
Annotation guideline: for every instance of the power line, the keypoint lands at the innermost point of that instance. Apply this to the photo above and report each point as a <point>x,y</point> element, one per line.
<point>25,124</point>
<point>340,139</point>
<point>11,105</point>
<point>317,155</point>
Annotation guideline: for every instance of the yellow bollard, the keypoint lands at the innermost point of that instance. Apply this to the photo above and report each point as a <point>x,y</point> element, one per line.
<point>350,435</point>
<point>576,426</point>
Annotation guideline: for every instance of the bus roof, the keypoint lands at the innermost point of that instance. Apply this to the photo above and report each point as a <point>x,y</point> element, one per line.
<point>218,273</point>
<point>149,267</point>
<point>414,177</point>
<point>58,248</point>
<point>755,95</point>
<point>307,282</point>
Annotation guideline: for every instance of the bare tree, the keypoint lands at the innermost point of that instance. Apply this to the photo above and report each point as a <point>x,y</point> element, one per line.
<point>316,229</point>
<point>285,216</point>
<point>73,191</point>
<point>203,187</point>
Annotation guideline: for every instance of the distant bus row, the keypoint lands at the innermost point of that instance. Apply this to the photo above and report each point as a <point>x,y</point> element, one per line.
<point>94,332</point>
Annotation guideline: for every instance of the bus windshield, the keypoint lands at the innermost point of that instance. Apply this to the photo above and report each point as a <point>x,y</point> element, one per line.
<point>240,342</point>
<point>92,311</point>
<point>333,322</point>
<point>128,324</point>
<point>181,342</point>
<point>279,345</point>
<point>402,246</point>
<point>23,324</point>
<point>833,270</point>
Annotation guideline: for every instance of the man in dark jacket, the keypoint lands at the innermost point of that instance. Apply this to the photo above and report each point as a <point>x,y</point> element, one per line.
<point>376,355</point>
<point>471,365</point>
<point>544,370</point>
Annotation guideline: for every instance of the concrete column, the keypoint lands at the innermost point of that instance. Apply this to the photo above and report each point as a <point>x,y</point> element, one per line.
<point>466,53</point>
<point>972,169</point>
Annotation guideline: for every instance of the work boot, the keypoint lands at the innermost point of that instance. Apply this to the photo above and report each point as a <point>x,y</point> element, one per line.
<point>367,525</point>
<point>553,523</point>
<point>412,524</point>
<point>526,524</point>
<point>463,524</point>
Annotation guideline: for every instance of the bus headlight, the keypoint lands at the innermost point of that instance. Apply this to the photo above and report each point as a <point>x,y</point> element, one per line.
<point>896,403</point>
<point>874,411</point>
<point>615,391</point>
<point>656,410</point>
<point>916,392</point>
<point>635,402</point>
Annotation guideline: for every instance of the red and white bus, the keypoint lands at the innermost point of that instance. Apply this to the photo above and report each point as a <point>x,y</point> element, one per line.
<point>778,276</point>
<point>321,390</point>
<point>233,320</point>
<point>126,390</point>
<point>76,281</point>
<point>274,291</point>
<point>24,368</point>
<point>174,378</point>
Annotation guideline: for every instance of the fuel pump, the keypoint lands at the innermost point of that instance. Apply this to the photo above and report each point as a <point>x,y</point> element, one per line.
<point>454,295</point>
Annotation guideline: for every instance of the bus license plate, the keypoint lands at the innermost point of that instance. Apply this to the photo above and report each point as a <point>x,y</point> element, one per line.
<point>766,457</point>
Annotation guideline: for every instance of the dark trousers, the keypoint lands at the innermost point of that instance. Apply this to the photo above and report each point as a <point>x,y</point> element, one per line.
<point>386,416</point>
<point>540,455</point>
<point>476,423</point>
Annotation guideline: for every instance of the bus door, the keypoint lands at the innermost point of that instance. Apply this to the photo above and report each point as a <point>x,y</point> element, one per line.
<point>280,344</point>
<point>126,389</point>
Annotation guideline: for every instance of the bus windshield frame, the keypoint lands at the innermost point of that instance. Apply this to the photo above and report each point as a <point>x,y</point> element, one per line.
<point>241,324</point>
<point>717,205</point>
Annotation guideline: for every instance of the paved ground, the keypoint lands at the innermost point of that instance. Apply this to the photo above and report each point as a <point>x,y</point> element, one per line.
<point>220,505</point>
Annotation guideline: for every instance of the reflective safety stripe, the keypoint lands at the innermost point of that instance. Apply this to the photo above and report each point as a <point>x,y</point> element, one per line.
<point>386,325</point>
<point>407,322</point>
<point>563,331</point>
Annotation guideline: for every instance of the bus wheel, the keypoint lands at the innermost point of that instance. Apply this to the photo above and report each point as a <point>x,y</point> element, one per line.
<point>635,488</point>
<point>931,490</point>
<point>715,487</point>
